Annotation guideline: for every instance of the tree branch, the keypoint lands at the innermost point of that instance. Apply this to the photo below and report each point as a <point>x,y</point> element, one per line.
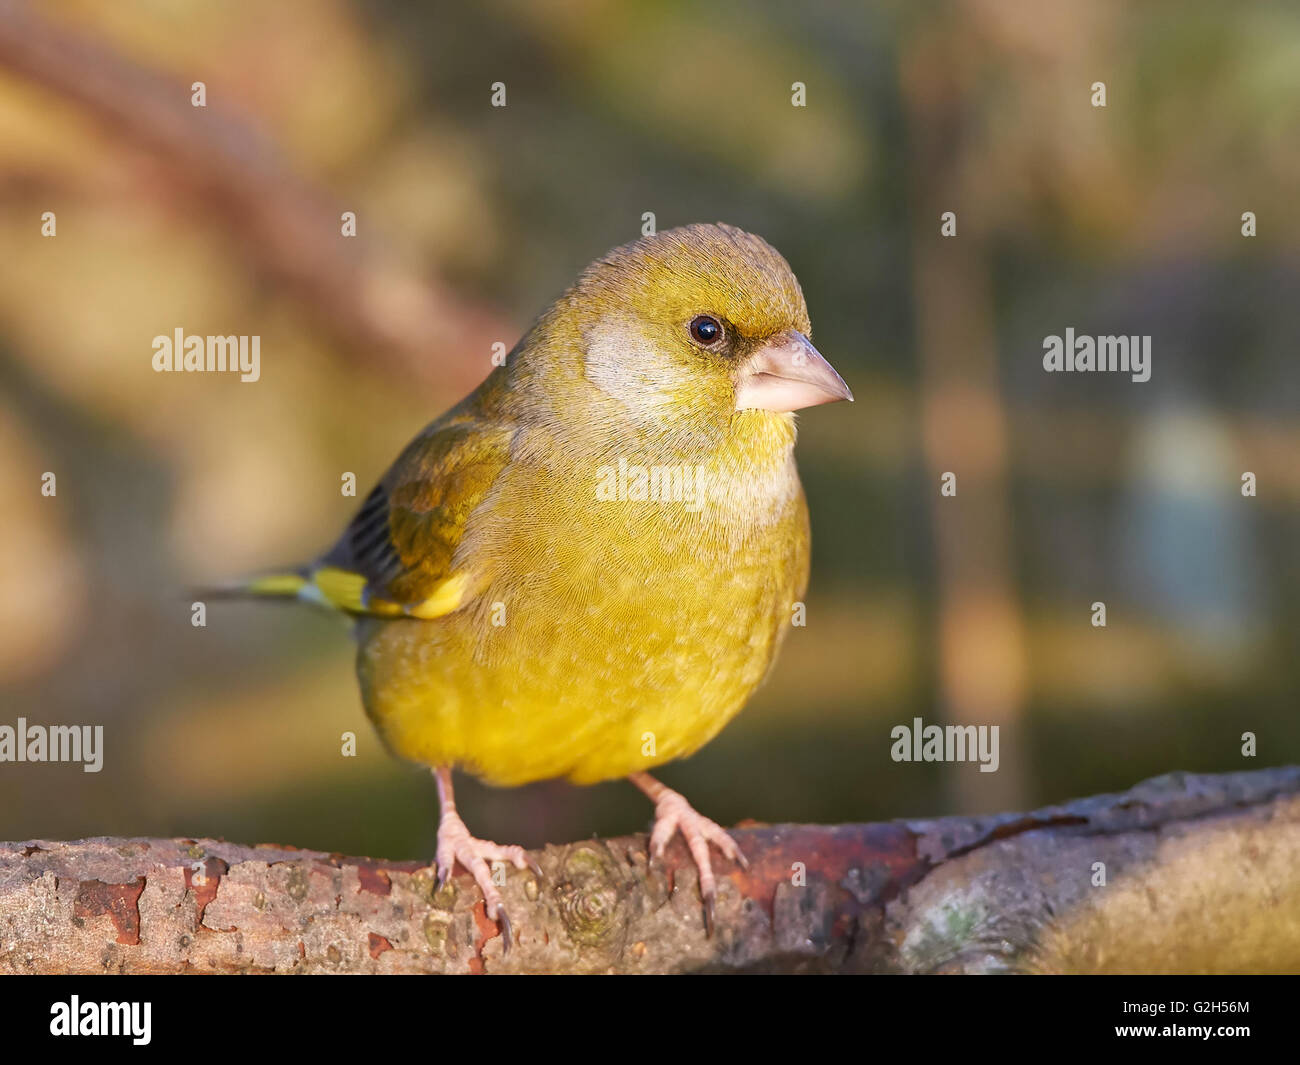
<point>1201,874</point>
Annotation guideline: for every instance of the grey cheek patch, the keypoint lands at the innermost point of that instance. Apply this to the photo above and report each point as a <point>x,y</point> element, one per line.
<point>625,365</point>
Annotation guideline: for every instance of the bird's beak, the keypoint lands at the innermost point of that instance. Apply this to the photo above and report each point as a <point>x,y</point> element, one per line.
<point>787,373</point>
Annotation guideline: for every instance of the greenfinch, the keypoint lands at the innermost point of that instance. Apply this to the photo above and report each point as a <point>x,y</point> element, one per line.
<point>587,567</point>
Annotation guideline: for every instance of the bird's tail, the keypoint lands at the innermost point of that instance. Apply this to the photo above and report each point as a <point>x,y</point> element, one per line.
<point>282,584</point>
<point>329,587</point>
<point>343,590</point>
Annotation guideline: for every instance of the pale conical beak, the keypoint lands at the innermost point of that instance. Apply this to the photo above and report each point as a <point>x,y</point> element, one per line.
<point>787,373</point>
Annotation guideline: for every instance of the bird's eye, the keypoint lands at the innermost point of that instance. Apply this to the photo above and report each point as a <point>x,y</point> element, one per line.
<point>706,330</point>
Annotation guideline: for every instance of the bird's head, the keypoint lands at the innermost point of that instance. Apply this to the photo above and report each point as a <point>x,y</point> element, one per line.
<point>698,322</point>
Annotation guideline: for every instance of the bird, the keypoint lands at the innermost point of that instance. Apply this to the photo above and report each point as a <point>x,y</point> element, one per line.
<point>585,568</point>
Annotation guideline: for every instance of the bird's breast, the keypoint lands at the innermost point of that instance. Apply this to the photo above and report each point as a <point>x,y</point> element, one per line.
<point>628,605</point>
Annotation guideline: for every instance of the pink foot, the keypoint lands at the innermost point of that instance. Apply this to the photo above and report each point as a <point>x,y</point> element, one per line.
<point>455,844</point>
<point>674,814</point>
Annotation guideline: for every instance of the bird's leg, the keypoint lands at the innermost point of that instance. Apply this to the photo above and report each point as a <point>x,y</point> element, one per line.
<point>674,814</point>
<point>455,844</point>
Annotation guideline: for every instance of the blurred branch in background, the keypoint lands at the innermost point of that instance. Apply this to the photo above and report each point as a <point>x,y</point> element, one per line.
<point>288,228</point>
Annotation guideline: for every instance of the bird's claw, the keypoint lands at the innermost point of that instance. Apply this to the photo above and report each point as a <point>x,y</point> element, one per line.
<point>455,844</point>
<point>674,814</point>
<point>507,936</point>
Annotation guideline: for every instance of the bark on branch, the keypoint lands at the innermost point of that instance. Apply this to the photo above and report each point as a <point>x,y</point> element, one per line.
<point>1181,874</point>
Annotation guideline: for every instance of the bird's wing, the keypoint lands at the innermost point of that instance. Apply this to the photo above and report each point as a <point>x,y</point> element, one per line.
<point>396,557</point>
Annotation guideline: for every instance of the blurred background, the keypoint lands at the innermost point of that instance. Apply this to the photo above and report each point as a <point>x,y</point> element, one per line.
<point>1072,489</point>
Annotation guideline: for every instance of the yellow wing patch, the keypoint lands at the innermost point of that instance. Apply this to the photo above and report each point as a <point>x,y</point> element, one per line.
<point>447,597</point>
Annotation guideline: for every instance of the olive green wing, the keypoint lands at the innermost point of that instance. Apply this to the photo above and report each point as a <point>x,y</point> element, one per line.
<point>396,558</point>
